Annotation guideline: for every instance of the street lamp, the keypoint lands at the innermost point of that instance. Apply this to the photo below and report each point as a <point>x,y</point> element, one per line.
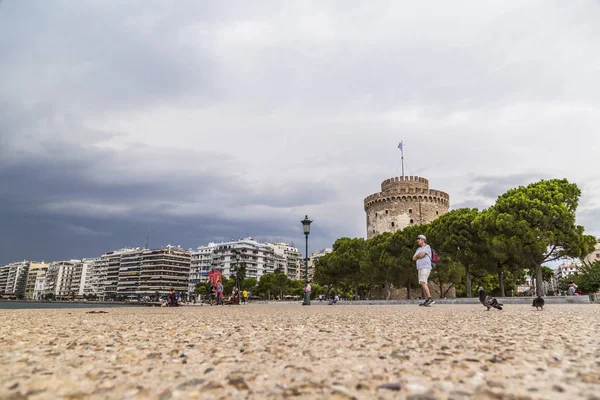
<point>306,225</point>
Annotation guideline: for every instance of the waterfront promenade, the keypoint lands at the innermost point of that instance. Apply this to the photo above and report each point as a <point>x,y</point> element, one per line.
<point>277,351</point>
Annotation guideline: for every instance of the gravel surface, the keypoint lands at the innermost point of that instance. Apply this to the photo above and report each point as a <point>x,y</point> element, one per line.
<point>321,352</point>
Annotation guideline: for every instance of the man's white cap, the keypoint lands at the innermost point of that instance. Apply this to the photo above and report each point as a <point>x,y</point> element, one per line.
<point>422,237</point>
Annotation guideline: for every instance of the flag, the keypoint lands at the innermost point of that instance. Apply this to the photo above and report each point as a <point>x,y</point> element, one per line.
<point>400,145</point>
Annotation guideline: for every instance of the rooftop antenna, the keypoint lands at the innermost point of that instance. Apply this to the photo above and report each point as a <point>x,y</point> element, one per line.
<point>146,243</point>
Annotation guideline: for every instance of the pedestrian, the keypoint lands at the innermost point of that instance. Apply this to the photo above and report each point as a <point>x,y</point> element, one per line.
<point>572,288</point>
<point>219,293</point>
<point>423,258</point>
<point>244,296</point>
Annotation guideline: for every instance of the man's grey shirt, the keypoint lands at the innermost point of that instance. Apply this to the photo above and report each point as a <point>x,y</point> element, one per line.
<point>425,262</point>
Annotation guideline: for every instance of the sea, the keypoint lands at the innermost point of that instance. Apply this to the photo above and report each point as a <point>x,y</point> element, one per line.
<point>20,305</point>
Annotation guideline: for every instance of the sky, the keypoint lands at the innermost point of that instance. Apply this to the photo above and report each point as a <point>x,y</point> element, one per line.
<point>186,122</point>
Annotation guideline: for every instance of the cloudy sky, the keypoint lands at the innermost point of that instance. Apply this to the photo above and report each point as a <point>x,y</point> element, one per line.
<point>196,121</point>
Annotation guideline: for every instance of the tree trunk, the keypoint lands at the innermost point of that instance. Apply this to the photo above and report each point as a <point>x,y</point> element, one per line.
<point>501,281</point>
<point>386,286</point>
<point>356,292</point>
<point>468,280</point>
<point>539,280</point>
<point>408,292</point>
<point>447,290</point>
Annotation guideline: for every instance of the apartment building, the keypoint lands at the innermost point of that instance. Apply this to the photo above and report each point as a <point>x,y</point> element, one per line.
<point>258,257</point>
<point>3,278</point>
<point>13,279</point>
<point>81,278</point>
<point>40,284</point>
<point>59,279</point>
<point>130,268</point>
<point>163,269</point>
<point>594,255</point>
<point>110,265</point>
<point>291,259</point>
<point>567,268</point>
<point>35,270</point>
<point>201,260</point>
<point>97,278</point>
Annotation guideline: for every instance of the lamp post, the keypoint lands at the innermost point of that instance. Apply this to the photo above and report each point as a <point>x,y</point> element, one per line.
<point>306,225</point>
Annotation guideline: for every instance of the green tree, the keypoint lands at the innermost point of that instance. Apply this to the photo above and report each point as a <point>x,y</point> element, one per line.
<point>455,235</point>
<point>265,286</point>
<point>280,283</point>
<point>328,272</point>
<point>447,274</point>
<point>249,284</point>
<point>537,224</point>
<point>588,277</point>
<point>346,257</point>
<point>378,266</point>
<point>202,288</point>
<point>402,247</point>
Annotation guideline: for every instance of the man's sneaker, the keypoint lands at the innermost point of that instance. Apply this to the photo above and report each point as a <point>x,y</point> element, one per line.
<point>429,302</point>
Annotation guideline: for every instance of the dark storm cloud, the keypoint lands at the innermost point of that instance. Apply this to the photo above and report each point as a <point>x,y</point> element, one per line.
<point>65,201</point>
<point>195,121</point>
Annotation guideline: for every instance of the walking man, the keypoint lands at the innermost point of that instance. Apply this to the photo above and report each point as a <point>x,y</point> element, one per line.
<point>219,293</point>
<point>423,258</point>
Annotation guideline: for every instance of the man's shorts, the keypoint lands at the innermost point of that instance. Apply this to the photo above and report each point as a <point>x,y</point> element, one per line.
<point>424,274</point>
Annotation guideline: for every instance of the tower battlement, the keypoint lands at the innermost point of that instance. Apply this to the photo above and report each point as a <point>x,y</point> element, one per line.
<point>404,182</point>
<point>403,201</point>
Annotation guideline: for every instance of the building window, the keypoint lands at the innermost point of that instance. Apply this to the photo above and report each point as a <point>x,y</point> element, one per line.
<point>437,213</point>
<point>392,224</point>
<point>386,211</point>
<point>375,214</point>
<point>410,210</point>
<point>597,255</point>
<point>373,230</point>
<point>411,221</point>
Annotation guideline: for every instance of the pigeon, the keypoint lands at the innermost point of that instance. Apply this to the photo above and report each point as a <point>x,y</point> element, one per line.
<point>538,303</point>
<point>488,301</point>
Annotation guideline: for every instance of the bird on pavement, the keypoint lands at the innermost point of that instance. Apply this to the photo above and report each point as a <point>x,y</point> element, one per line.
<point>538,303</point>
<point>488,301</point>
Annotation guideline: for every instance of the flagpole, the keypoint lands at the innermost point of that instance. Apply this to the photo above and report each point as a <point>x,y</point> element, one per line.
<point>402,150</point>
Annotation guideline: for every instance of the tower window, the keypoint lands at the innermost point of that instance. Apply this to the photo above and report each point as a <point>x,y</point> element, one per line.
<point>373,230</point>
<point>412,222</point>
<point>375,214</point>
<point>410,210</point>
<point>437,213</point>
<point>386,212</point>
<point>392,224</point>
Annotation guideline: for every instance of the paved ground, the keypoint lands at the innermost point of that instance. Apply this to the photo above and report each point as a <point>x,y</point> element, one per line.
<point>278,351</point>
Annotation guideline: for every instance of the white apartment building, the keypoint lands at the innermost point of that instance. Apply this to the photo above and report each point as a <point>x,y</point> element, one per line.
<point>258,257</point>
<point>110,266</point>
<point>3,278</point>
<point>13,279</point>
<point>594,255</point>
<point>81,279</point>
<point>201,260</point>
<point>289,256</point>
<point>59,279</point>
<point>40,284</point>
<point>163,269</point>
<point>35,270</point>
<point>567,268</point>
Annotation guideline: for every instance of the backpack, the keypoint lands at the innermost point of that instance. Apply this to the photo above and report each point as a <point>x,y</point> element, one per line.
<point>434,258</point>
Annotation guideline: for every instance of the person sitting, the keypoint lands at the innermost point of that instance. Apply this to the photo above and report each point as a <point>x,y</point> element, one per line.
<point>172,300</point>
